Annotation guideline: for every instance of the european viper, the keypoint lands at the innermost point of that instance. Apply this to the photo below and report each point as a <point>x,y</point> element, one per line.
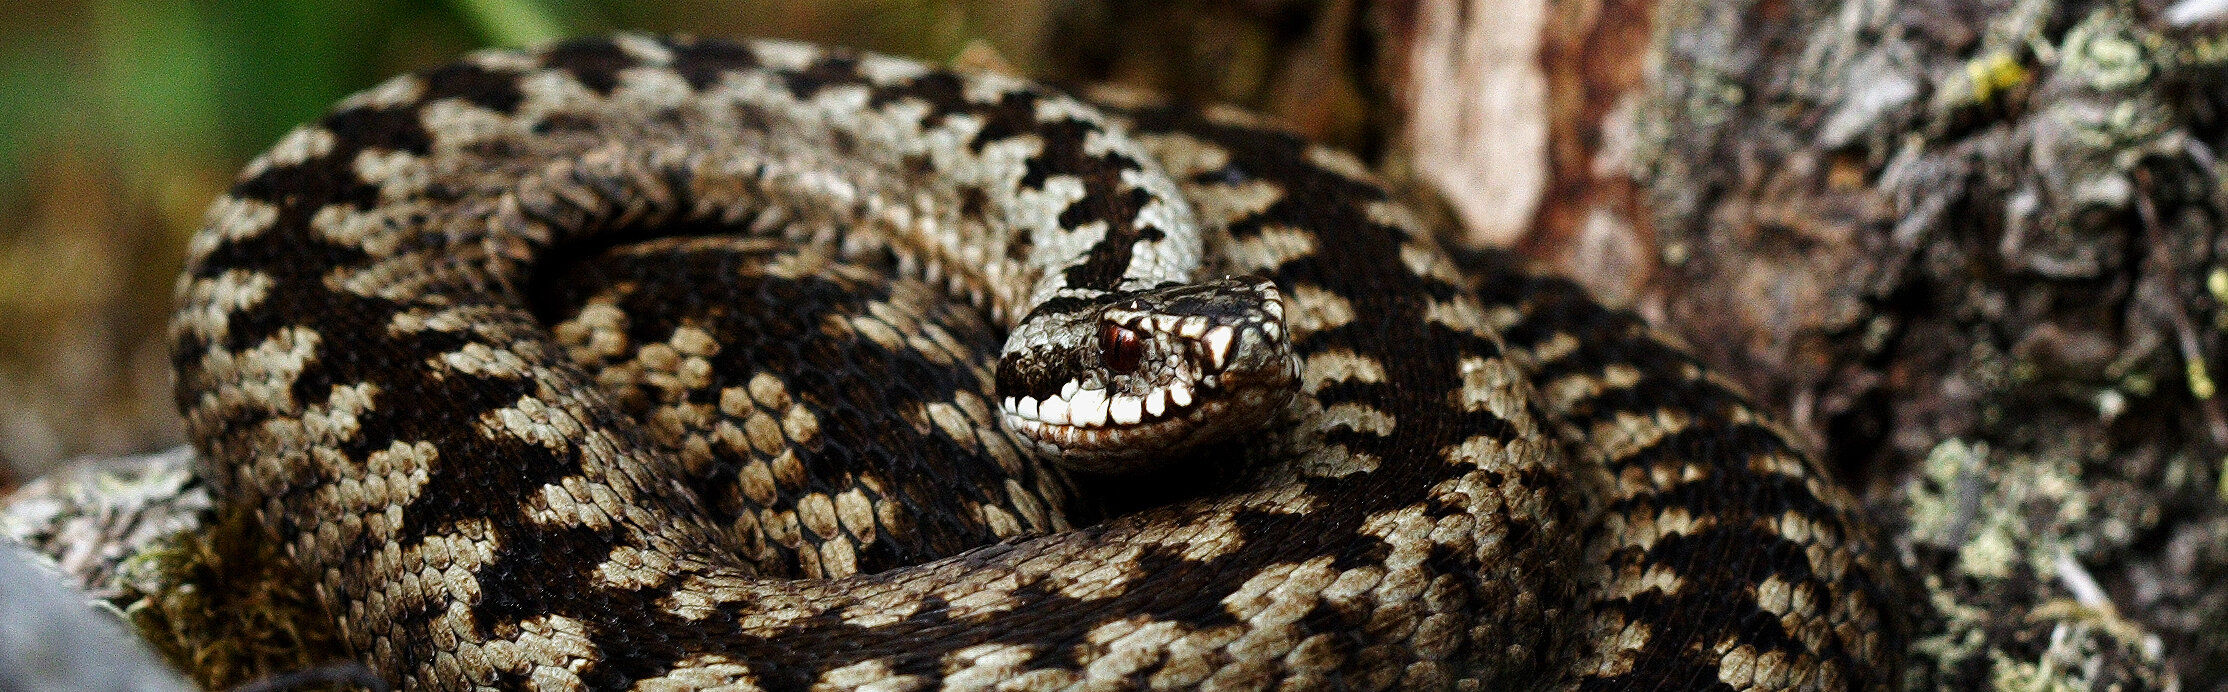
<point>1426,490</point>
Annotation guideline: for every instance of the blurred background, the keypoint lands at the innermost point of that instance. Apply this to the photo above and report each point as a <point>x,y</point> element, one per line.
<point>121,119</point>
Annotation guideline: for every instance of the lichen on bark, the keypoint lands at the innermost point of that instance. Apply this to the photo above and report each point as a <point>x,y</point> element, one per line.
<point>1979,232</point>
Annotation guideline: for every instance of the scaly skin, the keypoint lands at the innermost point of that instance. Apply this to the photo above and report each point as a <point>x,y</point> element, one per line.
<point>363,370</point>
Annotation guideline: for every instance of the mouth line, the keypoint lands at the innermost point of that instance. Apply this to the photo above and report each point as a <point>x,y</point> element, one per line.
<point>1077,407</point>
<point>1141,440</point>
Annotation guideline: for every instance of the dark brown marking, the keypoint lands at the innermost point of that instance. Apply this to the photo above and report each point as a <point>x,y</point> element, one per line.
<point>595,62</point>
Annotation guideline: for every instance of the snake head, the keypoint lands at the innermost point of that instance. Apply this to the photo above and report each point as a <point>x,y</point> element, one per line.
<point>1126,381</point>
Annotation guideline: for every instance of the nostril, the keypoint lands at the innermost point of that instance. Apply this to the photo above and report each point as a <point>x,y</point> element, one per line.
<point>1122,348</point>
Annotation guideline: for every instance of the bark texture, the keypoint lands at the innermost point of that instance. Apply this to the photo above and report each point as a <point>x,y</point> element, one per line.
<point>1975,251</point>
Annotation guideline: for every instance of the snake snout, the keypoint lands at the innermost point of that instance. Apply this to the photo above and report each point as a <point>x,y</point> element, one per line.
<point>1154,373</point>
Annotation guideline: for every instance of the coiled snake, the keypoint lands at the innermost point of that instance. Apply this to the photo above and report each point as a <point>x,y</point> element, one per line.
<point>1328,472</point>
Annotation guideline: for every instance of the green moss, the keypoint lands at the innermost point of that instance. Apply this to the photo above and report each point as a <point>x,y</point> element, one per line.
<point>2014,523</point>
<point>225,606</point>
<point>2023,676</point>
<point>1991,75</point>
<point>2105,51</point>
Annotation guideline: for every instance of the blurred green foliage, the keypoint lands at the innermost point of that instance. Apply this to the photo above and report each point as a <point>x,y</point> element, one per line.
<point>167,79</point>
<point>121,119</point>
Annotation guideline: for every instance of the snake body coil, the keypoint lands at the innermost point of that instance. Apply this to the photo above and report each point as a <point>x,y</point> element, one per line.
<point>1372,494</point>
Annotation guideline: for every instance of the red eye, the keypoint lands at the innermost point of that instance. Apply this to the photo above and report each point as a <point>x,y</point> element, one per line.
<point>1121,348</point>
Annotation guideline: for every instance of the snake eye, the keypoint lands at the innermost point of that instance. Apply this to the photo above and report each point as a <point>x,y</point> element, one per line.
<point>1122,347</point>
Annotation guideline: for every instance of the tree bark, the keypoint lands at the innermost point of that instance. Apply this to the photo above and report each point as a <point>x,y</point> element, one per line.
<point>1966,249</point>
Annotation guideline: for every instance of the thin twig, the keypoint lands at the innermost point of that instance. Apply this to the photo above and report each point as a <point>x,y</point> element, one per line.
<point>2185,330</point>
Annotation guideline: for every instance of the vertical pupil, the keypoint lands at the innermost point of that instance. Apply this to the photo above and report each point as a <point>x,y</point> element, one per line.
<point>1122,348</point>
